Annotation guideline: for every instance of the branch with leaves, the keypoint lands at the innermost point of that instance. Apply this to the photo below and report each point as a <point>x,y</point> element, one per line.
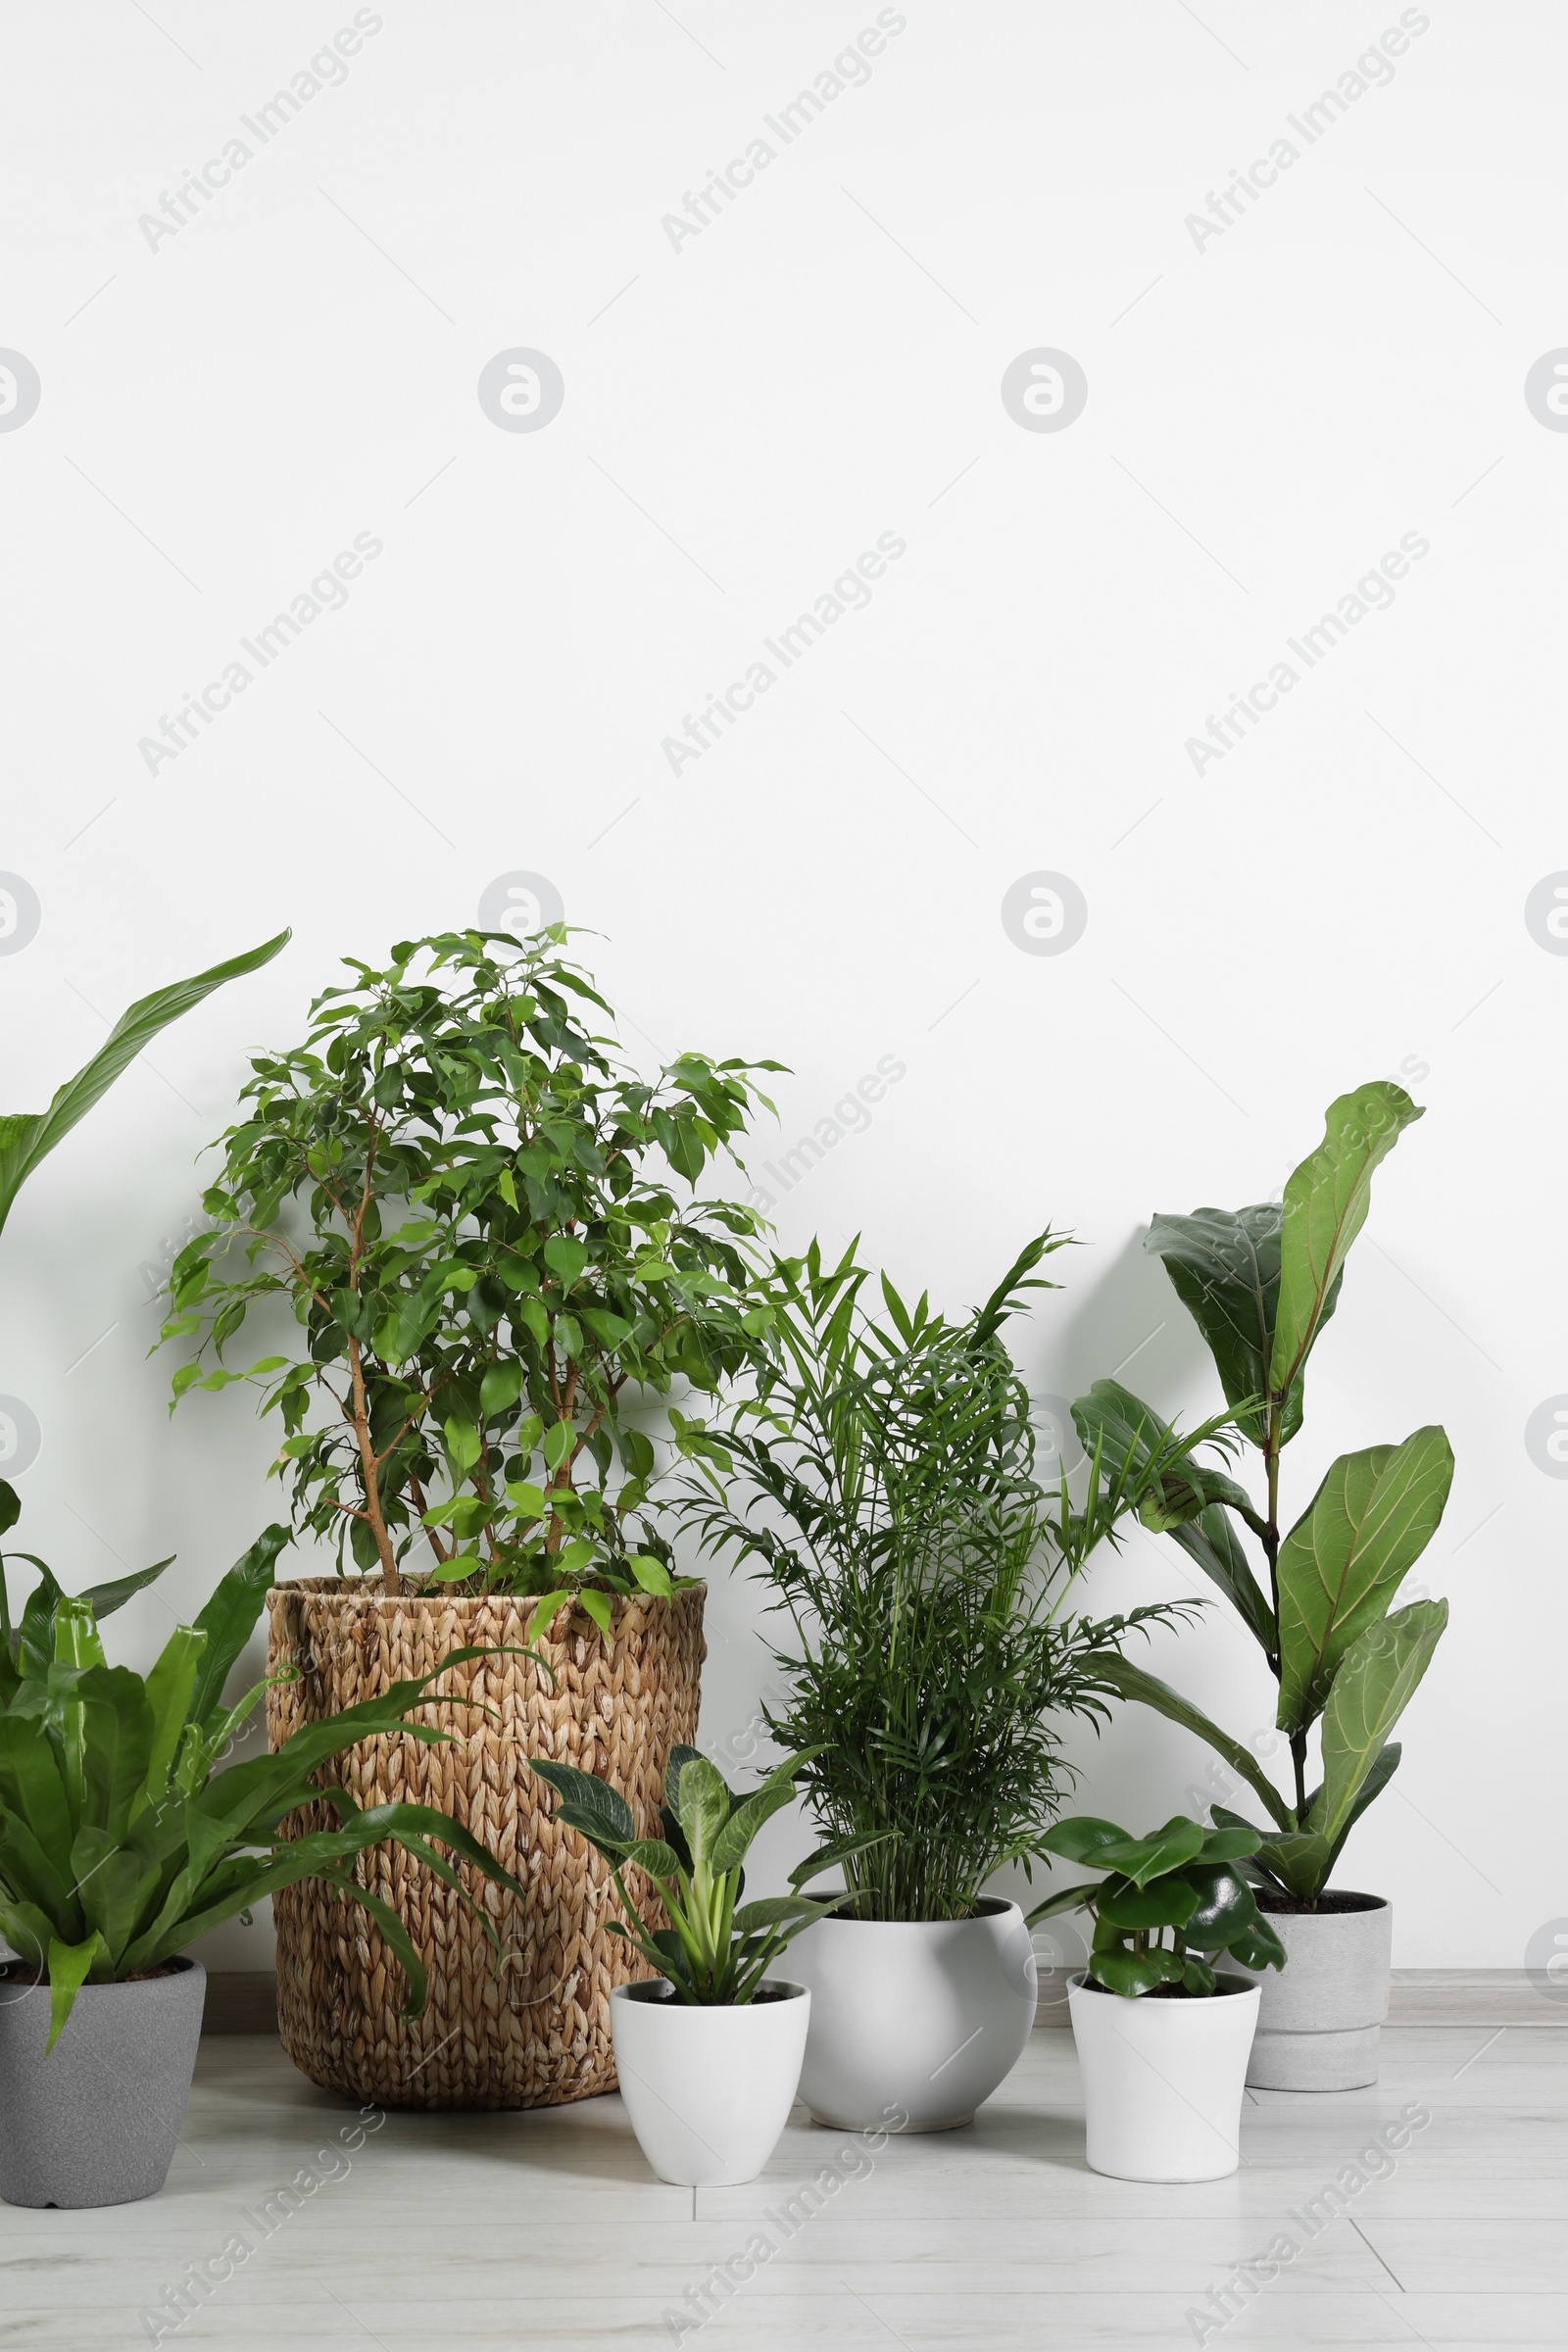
<point>486,1229</point>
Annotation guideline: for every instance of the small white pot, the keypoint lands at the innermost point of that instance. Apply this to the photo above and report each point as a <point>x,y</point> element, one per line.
<point>708,2090</point>
<point>1163,2079</point>
<point>913,2022</point>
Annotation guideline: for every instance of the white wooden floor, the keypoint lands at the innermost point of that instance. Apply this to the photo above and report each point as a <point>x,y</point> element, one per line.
<point>477,2231</point>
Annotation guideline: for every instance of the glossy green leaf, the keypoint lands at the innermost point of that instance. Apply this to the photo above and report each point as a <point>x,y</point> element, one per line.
<point>595,1606</point>
<point>104,1600</point>
<point>651,1574</point>
<point>1133,1973</point>
<point>1224,1906</point>
<point>702,1806</point>
<point>500,1388</point>
<point>1140,1859</point>
<point>1168,1902</point>
<point>653,1856</point>
<point>1259,1946</point>
<point>590,1801</point>
<point>170,1688</point>
<point>1224,1266</point>
<point>230,1615</point>
<point>1325,1207</point>
<point>463,1444</point>
<point>68,1966</point>
<point>566,1258</point>
<point>1132,1682</point>
<point>1374,1684</point>
<point>117,1744</point>
<point>1338,1567</point>
<point>25,1138</point>
<point>731,1845</point>
<point>1082,1839</point>
<point>1191,1503</point>
<point>1065,1898</point>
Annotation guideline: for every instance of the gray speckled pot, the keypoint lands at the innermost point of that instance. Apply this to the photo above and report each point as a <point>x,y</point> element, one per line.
<point>96,2122</point>
<point>1322,2014</point>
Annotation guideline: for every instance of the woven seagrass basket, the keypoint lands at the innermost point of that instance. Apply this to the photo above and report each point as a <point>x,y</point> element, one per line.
<point>534,2031</point>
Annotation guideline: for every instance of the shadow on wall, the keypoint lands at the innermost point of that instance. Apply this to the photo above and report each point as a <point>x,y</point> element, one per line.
<point>1121,1320</point>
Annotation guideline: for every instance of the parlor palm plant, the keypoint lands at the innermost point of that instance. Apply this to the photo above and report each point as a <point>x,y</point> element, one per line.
<point>881,1477</point>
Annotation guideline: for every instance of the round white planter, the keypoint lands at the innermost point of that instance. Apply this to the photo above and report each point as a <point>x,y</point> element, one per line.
<point>1322,2013</point>
<point>913,2022</point>
<point>708,2090</point>
<point>1163,2079</point>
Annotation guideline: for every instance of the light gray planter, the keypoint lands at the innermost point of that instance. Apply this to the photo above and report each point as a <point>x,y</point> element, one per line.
<point>96,2122</point>
<point>1322,2015</point>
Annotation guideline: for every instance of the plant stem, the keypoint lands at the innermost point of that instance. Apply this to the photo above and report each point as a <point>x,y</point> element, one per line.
<point>1271,1545</point>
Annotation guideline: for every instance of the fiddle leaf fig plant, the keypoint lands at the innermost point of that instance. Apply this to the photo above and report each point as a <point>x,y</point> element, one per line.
<point>1261,1283</point>
<point>485,1229</point>
<point>716,1950</point>
<point>1180,1881</point>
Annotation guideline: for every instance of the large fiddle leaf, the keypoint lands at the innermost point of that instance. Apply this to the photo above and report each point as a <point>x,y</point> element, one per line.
<point>1343,1561</point>
<point>1376,1679</point>
<point>1224,1266</point>
<point>1188,1503</point>
<point>1325,1205</point>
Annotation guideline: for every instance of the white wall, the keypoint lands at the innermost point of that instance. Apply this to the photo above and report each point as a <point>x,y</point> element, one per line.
<point>1269,410</point>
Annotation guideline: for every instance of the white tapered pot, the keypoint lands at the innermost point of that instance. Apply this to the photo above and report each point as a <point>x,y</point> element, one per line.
<point>708,2090</point>
<point>1163,2079</point>
<point>913,2022</point>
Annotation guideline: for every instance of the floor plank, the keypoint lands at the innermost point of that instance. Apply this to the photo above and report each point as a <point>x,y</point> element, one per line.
<point>548,2229</point>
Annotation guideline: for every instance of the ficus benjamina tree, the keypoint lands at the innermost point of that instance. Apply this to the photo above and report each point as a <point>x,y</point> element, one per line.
<point>1261,1283</point>
<point>486,1229</point>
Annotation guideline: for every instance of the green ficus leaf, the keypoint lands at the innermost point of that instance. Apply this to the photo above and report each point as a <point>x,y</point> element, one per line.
<point>558,1441</point>
<point>500,1388</point>
<point>566,1258</point>
<point>463,1444</point>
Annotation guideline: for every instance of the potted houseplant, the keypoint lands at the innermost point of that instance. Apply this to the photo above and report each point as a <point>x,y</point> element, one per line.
<point>485,1230</point>
<point>122,1842</point>
<point>1261,1283</point>
<point>708,2051</point>
<point>881,1478</point>
<point>1162,2035</point>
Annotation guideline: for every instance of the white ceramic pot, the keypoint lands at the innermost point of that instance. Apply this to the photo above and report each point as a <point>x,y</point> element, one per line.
<point>913,2022</point>
<point>1163,2079</point>
<point>1322,2014</point>
<point>708,2090</point>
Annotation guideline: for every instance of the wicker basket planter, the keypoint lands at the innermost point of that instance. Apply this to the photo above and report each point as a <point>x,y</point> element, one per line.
<point>535,2033</point>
